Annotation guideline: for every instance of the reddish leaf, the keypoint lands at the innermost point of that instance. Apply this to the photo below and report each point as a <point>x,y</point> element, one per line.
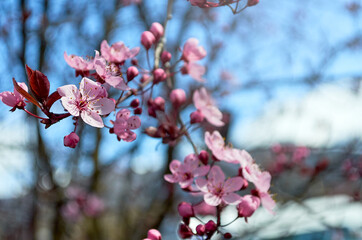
<point>52,99</point>
<point>39,84</point>
<point>25,94</point>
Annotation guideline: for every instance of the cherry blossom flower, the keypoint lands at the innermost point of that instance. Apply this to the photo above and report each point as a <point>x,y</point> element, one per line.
<point>216,190</point>
<point>153,234</point>
<point>192,52</point>
<point>205,104</point>
<point>118,52</point>
<point>14,99</point>
<point>124,124</point>
<point>90,101</point>
<point>184,173</point>
<point>109,72</point>
<point>79,63</point>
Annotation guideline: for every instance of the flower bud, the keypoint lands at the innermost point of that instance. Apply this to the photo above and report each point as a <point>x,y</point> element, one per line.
<point>178,97</point>
<point>185,210</point>
<point>134,61</point>
<point>157,30</point>
<point>71,140</point>
<point>132,72</point>
<point>200,230</point>
<point>135,103</point>
<point>165,57</point>
<point>227,235</point>
<point>210,226</point>
<point>159,103</point>
<point>138,111</point>
<point>248,205</point>
<point>185,231</point>
<point>204,157</point>
<point>144,78</point>
<point>159,75</point>
<point>147,39</point>
<point>196,117</point>
<point>154,234</point>
<point>252,3</point>
<point>151,131</point>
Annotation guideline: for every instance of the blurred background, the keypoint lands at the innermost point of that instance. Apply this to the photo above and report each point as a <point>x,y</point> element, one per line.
<point>286,74</point>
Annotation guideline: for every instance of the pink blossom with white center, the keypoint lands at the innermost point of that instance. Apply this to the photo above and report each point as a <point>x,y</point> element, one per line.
<point>90,101</point>
<point>216,190</point>
<point>124,124</point>
<point>261,180</point>
<point>110,73</point>
<point>14,99</point>
<point>184,173</point>
<point>118,52</point>
<point>79,63</point>
<point>205,104</point>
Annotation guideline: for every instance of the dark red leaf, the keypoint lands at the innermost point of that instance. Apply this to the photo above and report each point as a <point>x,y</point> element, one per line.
<point>39,84</point>
<point>25,94</point>
<point>52,99</point>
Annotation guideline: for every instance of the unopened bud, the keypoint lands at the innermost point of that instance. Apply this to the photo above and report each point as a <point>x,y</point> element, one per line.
<point>135,103</point>
<point>159,75</point>
<point>196,117</point>
<point>144,78</point>
<point>165,57</point>
<point>178,97</point>
<point>252,3</point>
<point>227,235</point>
<point>157,30</point>
<point>134,61</point>
<point>210,226</point>
<point>185,210</point>
<point>147,39</point>
<point>204,157</point>
<point>132,72</point>
<point>200,230</point>
<point>138,111</point>
<point>185,231</point>
<point>159,103</point>
<point>71,140</point>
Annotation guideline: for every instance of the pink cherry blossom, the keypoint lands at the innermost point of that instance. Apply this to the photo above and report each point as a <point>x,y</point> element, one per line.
<point>192,52</point>
<point>14,99</point>
<point>195,70</point>
<point>79,63</point>
<point>205,104</point>
<point>184,173</point>
<point>216,190</point>
<point>153,234</point>
<point>109,72</point>
<point>124,124</point>
<point>90,101</point>
<point>118,52</point>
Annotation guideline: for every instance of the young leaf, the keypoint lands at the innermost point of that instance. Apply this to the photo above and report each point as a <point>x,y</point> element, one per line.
<point>39,84</point>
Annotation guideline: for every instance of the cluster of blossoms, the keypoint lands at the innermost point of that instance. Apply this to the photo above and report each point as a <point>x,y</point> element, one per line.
<point>287,157</point>
<point>199,175</point>
<point>115,68</point>
<point>79,203</point>
<point>220,3</point>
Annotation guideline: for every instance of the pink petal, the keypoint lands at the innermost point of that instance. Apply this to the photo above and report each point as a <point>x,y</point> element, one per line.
<point>70,105</point>
<point>117,82</point>
<point>191,161</point>
<point>263,183</point>
<point>211,199</point>
<point>102,106</point>
<point>90,89</point>
<point>196,71</point>
<point>186,183</point>
<point>134,122</point>
<point>233,184</point>
<point>131,136</point>
<point>9,98</point>
<point>92,119</point>
<point>154,234</point>
<point>213,115</point>
<point>17,94</point>
<point>231,198</point>
<point>216,176</point>
<point>69,91</point>
<point>201,183</point>
<point>171,178</point>
<point>201,171</point>
<point>193,52</point>
<point>174,166</point>
<point>105,50</point>
<point>123,114</point>
<point>267,202</point>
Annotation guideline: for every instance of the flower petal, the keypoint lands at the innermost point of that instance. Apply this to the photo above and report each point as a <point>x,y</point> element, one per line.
<point>101,106</point>
<point>233,184</point>
<point>231,198</point>
<point>92,118</point>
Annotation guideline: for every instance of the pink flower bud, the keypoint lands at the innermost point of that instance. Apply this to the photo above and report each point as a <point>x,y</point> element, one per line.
<point>178,97</point>
<point>252,3</point>
<point>147,39</point>
<point>185,231</point>
<point>196,117</point>
<point>210,226</point>
<point>135,103</point>
<point>159,103</point>
<point>71,140</point>
<point>144,78</point>
<point>227,235</point>
<point>200,230</point>
<point>159,75</point>
<point>154,234</point>
<point>132,72</point>
<point>165,57</point>
<point>157,30</point>
<point>151,131</point>
<point>134,61</point>
<point>204,157</point>
<point>248,205</point>
<point>185,210</point>
<point>138,111</point>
